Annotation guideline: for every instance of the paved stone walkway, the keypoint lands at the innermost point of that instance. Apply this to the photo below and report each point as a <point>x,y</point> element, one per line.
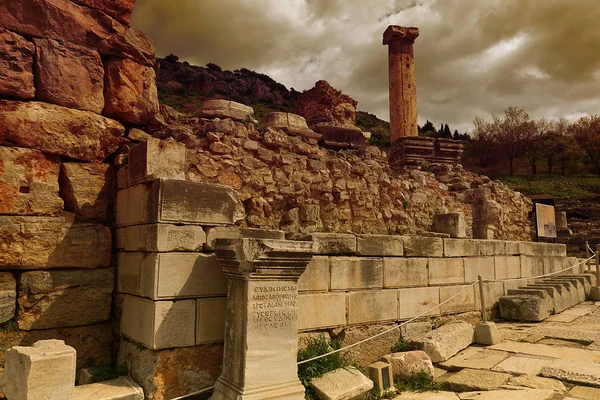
<point>557,359</point>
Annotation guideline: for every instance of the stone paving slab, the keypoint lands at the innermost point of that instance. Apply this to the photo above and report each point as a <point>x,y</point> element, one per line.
<point>581,372</point>
<point>472,379</point>
<point>527,394</point>
<point>585,393</point>
<point>536,382</point>
<point>561,318</point>
<point>475,358</point>
<point>547,351</point>
<point>522,365</point>
<point>428,396</point>
<point>585,332</point>
<point>580,312</point>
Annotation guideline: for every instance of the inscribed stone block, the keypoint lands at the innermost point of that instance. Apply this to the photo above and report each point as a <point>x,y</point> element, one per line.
<point>372,306</point>
<point>379,245</point>
<point>316,275</point>
<point>461,303</point>
<point>404,272</point>
<point>507,267</point>
<point>446,271</point>
<point>154,159</point>
<point>161,238</point>
<point>210,319</point>
<point>356,273</point>
<point>159,324</point>
<point>420,246</point>
<point>461,247</point>
<point>321,310</point>
<point>414,301</point>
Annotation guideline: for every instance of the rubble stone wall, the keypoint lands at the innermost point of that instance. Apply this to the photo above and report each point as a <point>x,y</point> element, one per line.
<point>74,77</point>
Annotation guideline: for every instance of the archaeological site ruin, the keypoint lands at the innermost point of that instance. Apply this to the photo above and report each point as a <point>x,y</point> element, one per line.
<point>197,254</point>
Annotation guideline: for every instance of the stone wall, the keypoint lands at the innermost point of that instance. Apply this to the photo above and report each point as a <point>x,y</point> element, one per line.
<point>73,78</point>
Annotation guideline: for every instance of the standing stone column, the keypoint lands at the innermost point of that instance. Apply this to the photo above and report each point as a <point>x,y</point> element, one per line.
<point>261,328</point>
<point>403,91</point>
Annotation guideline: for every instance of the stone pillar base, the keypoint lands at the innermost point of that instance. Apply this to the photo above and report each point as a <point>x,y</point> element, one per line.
<point>226,390</point>
<point>594,293</point>
<point>410,150</point>
<point>487,333</point>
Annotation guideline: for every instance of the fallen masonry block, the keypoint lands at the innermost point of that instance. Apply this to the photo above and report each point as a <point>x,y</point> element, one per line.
<point>525,307</point>
<point>122,388</point>
<point>226,109</point>
<point>487,333</point>
<point>557,302</point>
<point>585,280</point>
<point>290,123</point>
<point>571,287</point>
<point>408,363</point>
<point>342,384</point>
<point>534,292</point>
<point>445,341</point>
<point>577,284</point>
<point>44,371</point>
<point>561,290</point>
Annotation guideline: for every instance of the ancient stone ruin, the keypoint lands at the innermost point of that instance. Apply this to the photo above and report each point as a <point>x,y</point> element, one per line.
<point>122,221</point>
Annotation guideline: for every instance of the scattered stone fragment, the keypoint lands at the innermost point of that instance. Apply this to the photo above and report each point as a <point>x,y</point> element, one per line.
<point>471,379</point>
<point>444,342</point>
<point>427,396</point>
<point>226,109</point>
<point>525,307</point>
<point>342,384</point>
<point>406,364</point>
<point>123,388</point>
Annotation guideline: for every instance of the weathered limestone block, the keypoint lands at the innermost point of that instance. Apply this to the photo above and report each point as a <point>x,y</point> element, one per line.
<point>64,20</point>
<point>408,363</point>
<point>316,277</point>
<point>507,267</point>
<point>123,388</point>
<point>119,9</point>
<point>226,109</point>
<point>341,137</point>
<point>469,379</point>
<point>342,384</point>
<point>166,374</point>
<point>487,333</point>
<point>69,75</point>
<point>130,91</point>
<point>53,129</point>
<point>16,66</point>
<point>475,266</point>
<point>161,238</point>
<point>461,248</point>
<point>379,245</point>
<point>405,272</point>
<point>159,324</point>
<point>233,232</point>
<point>332,243</point>
<point>415,301</point>
<point>8,296</point>
<point>52,299</point>
<point>35,372</point>
<point>356,273</point>
<point>210,319</point>
<point>446,270</point>
<point>321,310</point>
<point>558,302</point>
<point>492,247</point>
<point>542,249</point>
<point>154,159</point>
<point>421,246</point>
<point>447,340</point>
<point>575,371</point>
<point>53,242</point>
<point>452,223</point>
<point>461,303</point>
<point>525,307</point>
<point>173,201</point>
<point>89,190</point>
<point>290,123</point>
<point>28,182</point>
<point>531,266</point>
<point>170,275</point>
<point>372,306</point>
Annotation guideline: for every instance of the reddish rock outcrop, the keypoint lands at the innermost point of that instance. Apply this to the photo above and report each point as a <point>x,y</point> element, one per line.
<point>82,135</point>
<point>324,103</point>
<point>16,59</point>
<point>65,20</point>
<point>69,75</point>
<point>119,9</point>
<point>130,91</point>
<point>89,190</point>
<point>28,182</point>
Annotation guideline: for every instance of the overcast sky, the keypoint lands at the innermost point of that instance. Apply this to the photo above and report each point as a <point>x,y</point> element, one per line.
<point>473,57</point>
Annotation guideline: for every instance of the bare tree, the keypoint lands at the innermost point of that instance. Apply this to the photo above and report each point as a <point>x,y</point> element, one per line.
<point>554,142</point>
<point>586,132</point>
<point>511,133</point>
<point>482,145</point>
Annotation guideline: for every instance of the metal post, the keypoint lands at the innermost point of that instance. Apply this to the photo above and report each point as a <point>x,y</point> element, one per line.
<point>587,255</point>
<point>482,297</point>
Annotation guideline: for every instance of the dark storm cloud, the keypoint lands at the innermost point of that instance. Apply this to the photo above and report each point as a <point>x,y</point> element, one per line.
<point>473,57</point>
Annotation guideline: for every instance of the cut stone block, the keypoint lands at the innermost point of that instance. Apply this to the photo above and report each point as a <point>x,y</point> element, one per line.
<point>474,358</point>
<point>342,384</point>
<point>419,246</point>
<point>292,124</point>
<point>226,109</point>
<point>568,286</point>
<point>585,393</point>
<point>356,273</point>
<point>452,223</point>
<point>533,292</point>
<point>35,372</point>
<point>16,66</point>
<point>461,248</point>
<point>461,303</point>
<point>446,270</point>
<point>52,299</point>
<point>522,365</point>
<point>159,324</point>
<point>492,247</point>
<point>525,307</point>
<point>408,363</point>
<point>475,266</point>
<point>380,245</point>
<point>372,306</point>
<point>531,266</point>
<point>28,181</point>
<point>123,388</point>
<point>220,232</point>
<point>535,349</point>
<point>154,159</point>
<point>210,320</point>
<point>579,372</point>
<point>316,276</point>
<point>577,286</point>
<point>171,275</point>
<point>405,272</point>
<point>321,310</point>
<point>441,395</point>
<point>172,201</point>
<point>8,296</point>
<point>474,379</point>
<point>507,267</point>
<point>332,243</point>
<point>415,301</point>
<point>161,238</point>
<point>550,291</point>
<point>447,340</point>
<point>487,333</point>
<point>563,294</point>
<point>542,249</point>
<point>555,264</point>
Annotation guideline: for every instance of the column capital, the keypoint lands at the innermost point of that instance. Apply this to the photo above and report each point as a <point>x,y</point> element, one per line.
<point>393,32</point>
<point>251,258</point>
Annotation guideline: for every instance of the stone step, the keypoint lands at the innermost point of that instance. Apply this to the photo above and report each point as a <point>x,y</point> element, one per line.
<point>535,292</point>
<point>122,388</point>
<point>559,301</point>
<point>577,283</point>
<point>562,290</point>
<point>575,371</point>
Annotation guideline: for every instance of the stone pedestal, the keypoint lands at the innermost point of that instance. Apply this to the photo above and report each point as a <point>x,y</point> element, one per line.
<point>261,329</point>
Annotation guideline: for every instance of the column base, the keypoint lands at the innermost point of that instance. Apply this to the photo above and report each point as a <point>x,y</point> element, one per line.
<point>410,150</point>
<point>226,390</point>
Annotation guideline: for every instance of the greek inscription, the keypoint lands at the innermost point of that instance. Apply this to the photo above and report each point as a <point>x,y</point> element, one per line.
<point>273,307</point>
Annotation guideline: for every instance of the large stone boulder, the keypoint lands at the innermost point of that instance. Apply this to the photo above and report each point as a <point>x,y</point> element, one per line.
<point>69,75</point>
<point>16,66</point>
<point>408,363</point>
<point>324,103</point>
<point>446,341</point>
<point>53,129</point>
